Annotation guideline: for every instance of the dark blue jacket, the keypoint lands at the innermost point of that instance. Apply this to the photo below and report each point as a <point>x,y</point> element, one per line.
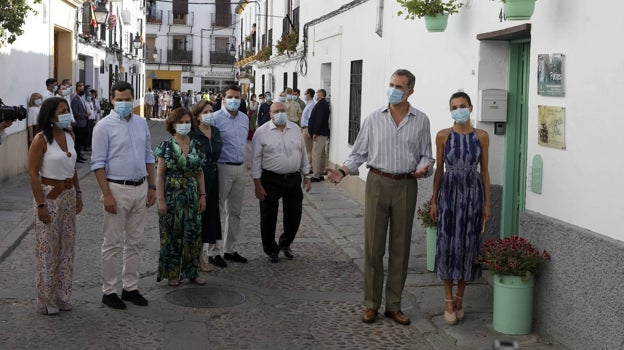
<point>264,113</point>
<point>319,119</point>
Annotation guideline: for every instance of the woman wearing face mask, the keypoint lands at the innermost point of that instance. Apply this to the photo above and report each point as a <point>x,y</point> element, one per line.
<point>181,198</point>
<point>460,203</point>
<point>57,200</point>
<point>209,140</point>
<point>34,104</point>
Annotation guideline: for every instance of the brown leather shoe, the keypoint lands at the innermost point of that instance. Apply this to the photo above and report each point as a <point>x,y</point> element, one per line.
<point>369,316</point>
<point>398,317</point>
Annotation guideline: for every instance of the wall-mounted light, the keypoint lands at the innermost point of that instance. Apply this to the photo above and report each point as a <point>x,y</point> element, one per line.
<point>101,14</point>
<point>232,50</point>
<point>137,43</point>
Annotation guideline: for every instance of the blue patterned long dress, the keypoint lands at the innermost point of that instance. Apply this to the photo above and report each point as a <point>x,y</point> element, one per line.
<point>460,209</point>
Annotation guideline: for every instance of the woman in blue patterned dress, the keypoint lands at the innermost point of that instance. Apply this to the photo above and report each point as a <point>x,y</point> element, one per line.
<point>181,198</point>
<point>460,203</point>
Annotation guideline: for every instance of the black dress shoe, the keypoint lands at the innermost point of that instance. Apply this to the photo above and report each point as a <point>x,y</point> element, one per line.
<point>134,297</point>
<point>317,179</point>
<point>273,257</point>
<point>235,257</point>
<point>113,301</point>
<point>287,252</point>
<point>217,260</point>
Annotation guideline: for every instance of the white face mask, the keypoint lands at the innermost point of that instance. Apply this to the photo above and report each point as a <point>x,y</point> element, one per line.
<point>208,118</point>
<point>280,118</point>
<point>183,129</point>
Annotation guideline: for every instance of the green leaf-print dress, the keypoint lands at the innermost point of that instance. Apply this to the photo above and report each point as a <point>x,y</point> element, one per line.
<point>180,228</point>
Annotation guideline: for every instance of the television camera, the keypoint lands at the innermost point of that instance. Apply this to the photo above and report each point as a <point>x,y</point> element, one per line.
<point>12,113</point>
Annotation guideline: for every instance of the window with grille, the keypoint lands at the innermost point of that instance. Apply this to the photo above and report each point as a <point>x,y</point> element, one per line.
<point>355,100</point>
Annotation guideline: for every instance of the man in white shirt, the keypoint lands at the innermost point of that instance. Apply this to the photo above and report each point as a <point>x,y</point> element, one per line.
<point>149,103</point>
<point>305,118</point>
<point>279,162</point>
<point>51,87</point>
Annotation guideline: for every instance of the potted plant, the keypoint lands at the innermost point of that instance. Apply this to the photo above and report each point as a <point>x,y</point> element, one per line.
<point>431,230</point>
<point>435,12</point>
<point>513,262</point>
<point>518,9</point>
<point>288,43</point>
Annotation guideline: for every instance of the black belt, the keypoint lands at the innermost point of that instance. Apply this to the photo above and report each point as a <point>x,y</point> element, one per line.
<point>272,173</point>
<point>127,182</point>
<point>230,163</point>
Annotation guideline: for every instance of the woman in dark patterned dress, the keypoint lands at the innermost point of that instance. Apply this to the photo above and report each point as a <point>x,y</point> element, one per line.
<point>460,203</point>
<point>209,139</point>
<point>181,198</point>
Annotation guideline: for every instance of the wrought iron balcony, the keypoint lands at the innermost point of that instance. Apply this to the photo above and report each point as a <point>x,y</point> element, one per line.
<point>180,56</point>
<point>155,18</point>
<point>220,57</point>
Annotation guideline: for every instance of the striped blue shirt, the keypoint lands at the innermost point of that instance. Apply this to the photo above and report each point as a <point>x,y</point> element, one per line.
<point>391,148</point>
<point>233,134</point>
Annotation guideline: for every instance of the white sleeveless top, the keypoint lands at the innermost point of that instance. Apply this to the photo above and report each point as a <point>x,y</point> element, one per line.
<point>56,164</point>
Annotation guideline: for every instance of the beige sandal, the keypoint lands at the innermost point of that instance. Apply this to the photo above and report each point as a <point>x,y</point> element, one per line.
<point>174,282</point>
<point>450,317</point>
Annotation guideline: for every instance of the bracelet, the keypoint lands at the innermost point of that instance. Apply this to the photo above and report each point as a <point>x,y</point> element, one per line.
<point>342,172</point>
<point>152,187</point>
<point>42,205</point>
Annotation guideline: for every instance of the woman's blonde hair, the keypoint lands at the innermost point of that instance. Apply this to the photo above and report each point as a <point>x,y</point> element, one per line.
<point>33,97</point>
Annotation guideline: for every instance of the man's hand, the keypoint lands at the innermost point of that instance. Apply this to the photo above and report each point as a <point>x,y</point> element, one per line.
<point>420,172</point>
<point>260,192</point>
<point>5,124</point>
<point>151,197</point>
<point>334,175</point>
<point>110,205</point>
<point>307,184</point>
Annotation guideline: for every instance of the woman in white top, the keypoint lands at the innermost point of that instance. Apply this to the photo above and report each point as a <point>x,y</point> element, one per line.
<point>34,103</point>
<point>57,200</point>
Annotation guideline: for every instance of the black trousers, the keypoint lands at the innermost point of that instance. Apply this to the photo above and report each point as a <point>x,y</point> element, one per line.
<point>288,188</point>
<point>81,135</point>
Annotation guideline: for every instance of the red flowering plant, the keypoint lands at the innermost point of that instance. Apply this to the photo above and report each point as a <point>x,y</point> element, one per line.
<point>513,256</point>
<point>422,213</point>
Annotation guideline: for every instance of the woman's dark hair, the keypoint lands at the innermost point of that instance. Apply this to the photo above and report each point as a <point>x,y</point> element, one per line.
<point>46,113</point>
<point>175,116</point>
<point>460,95</point>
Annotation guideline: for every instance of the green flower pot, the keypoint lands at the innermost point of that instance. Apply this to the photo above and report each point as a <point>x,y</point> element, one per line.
<point>432,236</point>
<point>513,304</point>
<point>518,9</point>
<point>436,23</point>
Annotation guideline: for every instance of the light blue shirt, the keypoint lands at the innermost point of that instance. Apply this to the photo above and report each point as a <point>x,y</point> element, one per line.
<point>390,148</point>
<point>121,147</point>
<point>307,111</point>
<point>233,134</point>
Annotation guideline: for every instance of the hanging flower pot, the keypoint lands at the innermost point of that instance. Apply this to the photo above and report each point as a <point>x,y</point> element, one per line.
<point>436,23</point>
<point>516,10</point>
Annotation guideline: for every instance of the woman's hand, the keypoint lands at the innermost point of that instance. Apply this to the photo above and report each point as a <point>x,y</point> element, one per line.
<point>78,204</point>
<point>44,215</point>
<point>202,203</point>
<point>162,207</point>
<point>433,212</point>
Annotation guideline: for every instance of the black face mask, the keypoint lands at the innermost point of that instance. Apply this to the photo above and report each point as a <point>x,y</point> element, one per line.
<point>81,93</point>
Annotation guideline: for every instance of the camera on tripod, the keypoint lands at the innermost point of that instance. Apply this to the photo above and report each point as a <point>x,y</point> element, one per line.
<point>12,113</point>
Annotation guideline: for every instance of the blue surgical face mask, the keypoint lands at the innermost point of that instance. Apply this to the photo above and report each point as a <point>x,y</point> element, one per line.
<point>289,97</point>
<point>183,129</point>
<point>282,98</point>
<point>88,98</point>
<point>55,88</point>
<point>123,108</point>
<point>66,91</point>
<point>280,118</point>
<point>208,118</point>
<point>38,102</point>
<point>461,115</point>
<point>232,104</point>
<point>395,96</point>
<point>64,121</point>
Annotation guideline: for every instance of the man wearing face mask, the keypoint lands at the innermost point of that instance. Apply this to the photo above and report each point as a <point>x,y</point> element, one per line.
<point>395,143</point>
<point>264,110</point>
<point>279,163</point>
<point>234,127</point>
<point>293,110</point>
<point>81,114</point>
<point>123,163</point>
<point>305,119</point>
<point>318,128</point>
<point>51,87</point>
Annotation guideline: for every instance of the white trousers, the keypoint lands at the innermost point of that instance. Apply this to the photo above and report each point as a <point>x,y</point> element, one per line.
<point>123,233</point>
<point>231,191</point>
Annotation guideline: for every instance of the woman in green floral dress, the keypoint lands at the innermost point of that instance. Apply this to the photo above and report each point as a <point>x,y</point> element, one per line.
<point>181,198</point>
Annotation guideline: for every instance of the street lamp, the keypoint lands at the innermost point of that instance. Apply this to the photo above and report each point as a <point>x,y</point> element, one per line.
<point>136,43</point>
<point>155,55</point>
<point>232,50</point>
<point>101,14</point>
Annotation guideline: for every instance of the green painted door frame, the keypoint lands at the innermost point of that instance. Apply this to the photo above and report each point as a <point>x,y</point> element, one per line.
<point>514,173</point>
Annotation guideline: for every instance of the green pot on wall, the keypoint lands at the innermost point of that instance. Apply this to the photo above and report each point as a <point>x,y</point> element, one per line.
<point>518,9</point>
<point>432,236</point>
<point>513,304</point>
<point>436,23</point>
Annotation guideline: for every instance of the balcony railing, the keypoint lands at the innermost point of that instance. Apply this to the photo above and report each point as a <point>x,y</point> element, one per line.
<point>156,18</point>
<point>181,20</point>
<point>220,57</point>
<point>180,56</point>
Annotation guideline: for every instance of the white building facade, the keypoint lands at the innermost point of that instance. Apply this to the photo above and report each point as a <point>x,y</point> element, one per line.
<point>559,193</point>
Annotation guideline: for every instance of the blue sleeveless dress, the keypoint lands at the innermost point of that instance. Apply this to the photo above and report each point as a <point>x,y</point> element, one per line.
<point>460,209</point>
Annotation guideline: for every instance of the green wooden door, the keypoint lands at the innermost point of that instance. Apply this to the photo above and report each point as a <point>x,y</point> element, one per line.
<point>514,176</point>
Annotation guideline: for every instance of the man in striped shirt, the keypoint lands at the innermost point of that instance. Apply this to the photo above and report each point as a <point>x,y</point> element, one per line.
<point>395,143</point>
